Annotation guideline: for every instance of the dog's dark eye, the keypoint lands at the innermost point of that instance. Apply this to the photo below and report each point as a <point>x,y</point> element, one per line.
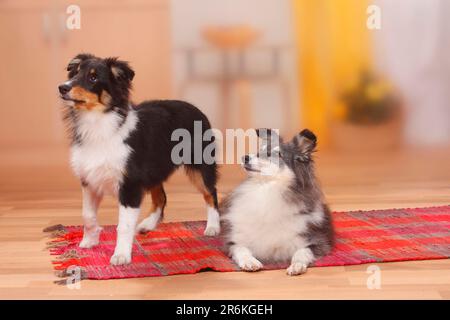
<point>93,78</point>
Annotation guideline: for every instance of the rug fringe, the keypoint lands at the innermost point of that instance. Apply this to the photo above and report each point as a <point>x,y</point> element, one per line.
<point>63,238</point>
<point>56,227</point>
<point>60,282</point>
<point>56,244</point>
<point>59,245</point>
<point>69,254</point>
<point>58,234</point>
<point>65,276</point>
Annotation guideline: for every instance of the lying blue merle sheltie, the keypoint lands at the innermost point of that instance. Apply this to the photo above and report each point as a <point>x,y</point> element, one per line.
<point>278,213</point>
<point>125,150</point>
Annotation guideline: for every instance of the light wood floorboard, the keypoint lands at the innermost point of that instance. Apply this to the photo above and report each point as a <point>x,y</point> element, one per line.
<point>34,194</point>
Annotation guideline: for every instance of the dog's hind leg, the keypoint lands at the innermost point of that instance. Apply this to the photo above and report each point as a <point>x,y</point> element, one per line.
<point>204,177</point>
<point>213,222</point>
<point>159,201</point>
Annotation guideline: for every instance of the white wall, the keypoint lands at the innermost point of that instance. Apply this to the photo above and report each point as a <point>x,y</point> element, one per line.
<point>413,47</point>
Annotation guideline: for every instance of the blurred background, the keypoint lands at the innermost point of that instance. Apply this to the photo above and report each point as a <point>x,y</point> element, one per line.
<point>368,80</point>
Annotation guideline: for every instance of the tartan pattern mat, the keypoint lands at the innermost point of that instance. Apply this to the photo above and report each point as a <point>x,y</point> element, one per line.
<point>181,248</point>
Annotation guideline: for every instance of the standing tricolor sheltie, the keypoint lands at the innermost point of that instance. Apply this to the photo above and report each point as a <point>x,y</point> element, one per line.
<point>278,213</point>
<point>125,150</point>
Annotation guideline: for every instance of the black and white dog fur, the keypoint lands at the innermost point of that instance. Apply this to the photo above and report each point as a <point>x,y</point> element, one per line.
<point>124,150</point>
<point>278,213</point>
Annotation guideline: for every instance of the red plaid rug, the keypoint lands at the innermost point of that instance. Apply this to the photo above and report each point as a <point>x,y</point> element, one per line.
<point>180,247</point>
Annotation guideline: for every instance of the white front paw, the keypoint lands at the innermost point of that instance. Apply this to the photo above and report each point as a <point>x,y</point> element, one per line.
<point>212,231</point>
<point>88,242</point>
<point>250,264</point>
<point>119,259</point>
<point>148,224</point>
<point>296,268</point>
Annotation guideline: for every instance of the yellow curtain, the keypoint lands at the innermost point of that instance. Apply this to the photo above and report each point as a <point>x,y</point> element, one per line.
<point>333,48</point>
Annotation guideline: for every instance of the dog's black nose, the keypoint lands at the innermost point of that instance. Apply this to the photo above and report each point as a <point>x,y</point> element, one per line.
<point>246,159</point>
<point>64,88</point>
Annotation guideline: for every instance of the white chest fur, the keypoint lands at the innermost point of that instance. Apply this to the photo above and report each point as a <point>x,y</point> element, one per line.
<point>100,159</point>
<point>264,222</point>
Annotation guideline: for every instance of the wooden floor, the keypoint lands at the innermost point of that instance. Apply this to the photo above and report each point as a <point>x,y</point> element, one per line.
<point>45,193</point>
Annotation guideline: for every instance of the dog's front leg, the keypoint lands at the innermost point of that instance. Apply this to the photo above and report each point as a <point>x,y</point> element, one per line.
<point>301,259</point>
<point>244,258</point>
<point>130,198</point>
<point>91,234</point>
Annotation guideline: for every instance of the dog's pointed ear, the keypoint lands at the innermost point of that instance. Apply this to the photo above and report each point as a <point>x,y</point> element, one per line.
<point>74,64</point>
<point>121,70</point>
<point>306,142</point>
<point>269,137</point>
